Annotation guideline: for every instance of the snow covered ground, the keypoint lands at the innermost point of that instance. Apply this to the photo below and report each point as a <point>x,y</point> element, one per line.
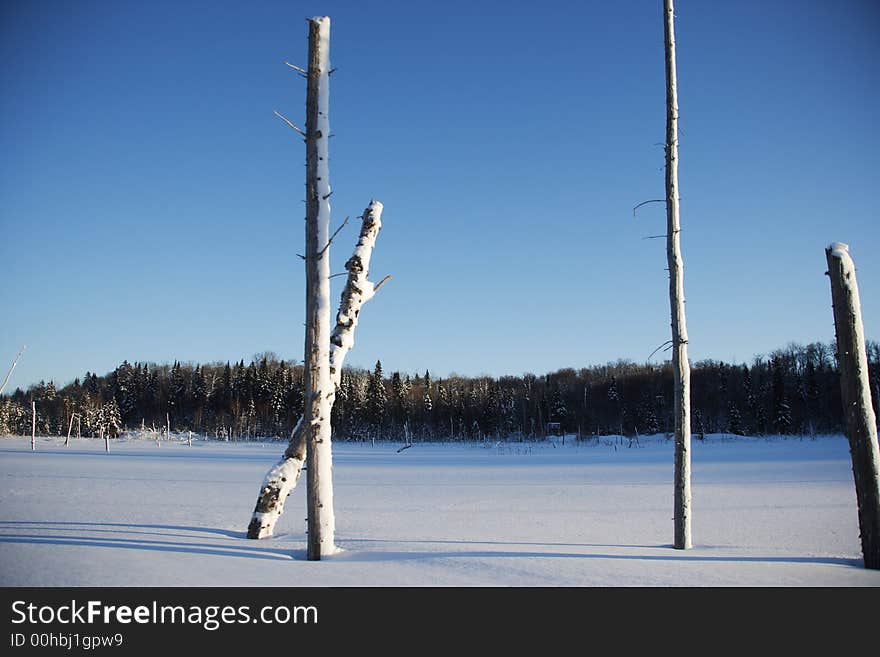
<point>767,512</point>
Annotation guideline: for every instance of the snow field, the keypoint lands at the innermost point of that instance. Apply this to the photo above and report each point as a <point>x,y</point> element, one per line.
<point>767,512</point>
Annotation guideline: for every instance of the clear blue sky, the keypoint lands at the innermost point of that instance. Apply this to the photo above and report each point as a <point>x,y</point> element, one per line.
<point>151,204</point>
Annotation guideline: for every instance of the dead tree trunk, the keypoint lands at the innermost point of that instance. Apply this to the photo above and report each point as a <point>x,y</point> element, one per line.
<point>861,422</point>
<point>282,478</point>
<point>69,429</point>
<point>317,384</point>
<point>9,373</point>
<point>680,365</point>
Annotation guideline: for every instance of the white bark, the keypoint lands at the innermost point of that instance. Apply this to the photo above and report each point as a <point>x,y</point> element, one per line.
<point>69,429</point>
<point>33,426</point>
<point>317,382</point>
<point>281,480</point>
<point>9,373</point>
<point>680,365</point>
<point>855,388</point>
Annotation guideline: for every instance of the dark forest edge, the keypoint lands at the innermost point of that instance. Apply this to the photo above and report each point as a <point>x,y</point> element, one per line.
<point>793,391</point>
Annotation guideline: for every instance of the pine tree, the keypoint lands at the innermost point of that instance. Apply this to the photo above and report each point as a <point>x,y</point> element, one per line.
<point>558,411</point>
<point>444,409</point>
<point>781,408</point>
<point>401,410</point>
<point>123,389</point>
<point>176,392</point>
<point>276,396</point>
<point>357,415</point>
<point>89,413</point>
<point>112,419</point>
<point>507,411</point>
<point>812,401</point>
<point>649,422</point>
<point>734,419</point>
<point>377,401</point>
<point>340,409</point>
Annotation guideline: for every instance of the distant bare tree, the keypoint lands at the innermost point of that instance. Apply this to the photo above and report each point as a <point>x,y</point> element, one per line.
<point>9,373</point>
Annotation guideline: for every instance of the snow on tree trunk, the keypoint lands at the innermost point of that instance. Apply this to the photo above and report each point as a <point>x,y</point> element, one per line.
<point>281,480</point>
<point>680,365</point>
<point>861,422</point>
<point>317,383</point>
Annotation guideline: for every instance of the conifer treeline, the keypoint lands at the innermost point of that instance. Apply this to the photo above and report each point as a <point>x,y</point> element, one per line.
<point>793,391</point>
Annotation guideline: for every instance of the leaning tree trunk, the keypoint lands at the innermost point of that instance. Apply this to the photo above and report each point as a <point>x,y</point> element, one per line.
<point>680,365</point>
<point>861,422</point>
<point>9,373</point>
<point>282,478</point>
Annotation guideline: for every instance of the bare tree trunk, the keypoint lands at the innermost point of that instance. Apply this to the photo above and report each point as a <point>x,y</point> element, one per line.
<point>106,437</point>
<point>69,429</point>
<point>861,422</point>
<point>680,365</point>
<point>281,480</point>
<point>33,426</point>
<point>317,383</point>
<point>9,373</point>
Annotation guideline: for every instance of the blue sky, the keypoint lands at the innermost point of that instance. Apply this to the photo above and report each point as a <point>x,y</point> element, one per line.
<point>151,204</point>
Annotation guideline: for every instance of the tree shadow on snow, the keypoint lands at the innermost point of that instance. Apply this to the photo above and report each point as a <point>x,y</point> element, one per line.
<point>130,528</point>
<point>120,538</point>
<point>671,555</point>
<point>474,542</point>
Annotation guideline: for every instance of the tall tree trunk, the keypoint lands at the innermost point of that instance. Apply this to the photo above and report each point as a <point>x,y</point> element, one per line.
<point>855,388</point>
<point>680,365</point>
<point>281,480</point>
<point>317,383</point>
<point>33,426</point>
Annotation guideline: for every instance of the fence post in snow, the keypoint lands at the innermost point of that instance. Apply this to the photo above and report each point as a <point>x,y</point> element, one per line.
<point>861,422</point>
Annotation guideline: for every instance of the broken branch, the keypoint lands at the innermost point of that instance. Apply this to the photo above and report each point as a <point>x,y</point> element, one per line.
<point>668,342</point>
<point>381,283</point>
<point>330,241</point>
<point>288,122</point>
<point>296,68</point>
<point>655,200</point>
